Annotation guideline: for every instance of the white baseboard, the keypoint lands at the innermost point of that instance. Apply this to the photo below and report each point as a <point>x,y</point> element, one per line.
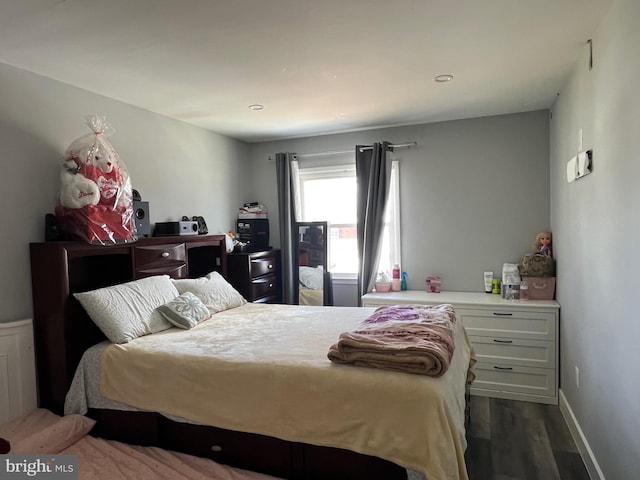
<point>589,459</point>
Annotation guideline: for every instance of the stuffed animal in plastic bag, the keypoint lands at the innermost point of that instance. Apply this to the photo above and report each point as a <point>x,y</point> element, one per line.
<point>98,161</point>
<point>76,190</point>
<point>95,189</point>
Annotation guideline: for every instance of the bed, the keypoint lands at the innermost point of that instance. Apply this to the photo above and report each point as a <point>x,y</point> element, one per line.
<point>41,432</point>
<point>265,434</point>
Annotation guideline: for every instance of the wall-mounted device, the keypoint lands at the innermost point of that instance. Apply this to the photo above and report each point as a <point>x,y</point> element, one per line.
<point>580,165</point>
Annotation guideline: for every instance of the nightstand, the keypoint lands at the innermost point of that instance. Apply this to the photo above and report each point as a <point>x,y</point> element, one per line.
<point>256,275</point>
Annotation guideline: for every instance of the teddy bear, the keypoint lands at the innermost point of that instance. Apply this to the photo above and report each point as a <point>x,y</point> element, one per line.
<point>76,190</point>
<point>99,162</point>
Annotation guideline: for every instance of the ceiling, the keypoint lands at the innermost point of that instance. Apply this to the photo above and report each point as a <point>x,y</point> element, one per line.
<point>318,67</point>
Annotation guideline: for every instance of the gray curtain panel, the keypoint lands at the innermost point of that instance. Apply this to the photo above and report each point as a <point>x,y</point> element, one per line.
<point>373,174</point>
<point>288,231</point>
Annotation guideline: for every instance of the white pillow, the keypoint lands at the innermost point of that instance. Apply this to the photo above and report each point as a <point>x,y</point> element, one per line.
<point>185,311</point>
<point>214,291</point>
<point>128,310</point>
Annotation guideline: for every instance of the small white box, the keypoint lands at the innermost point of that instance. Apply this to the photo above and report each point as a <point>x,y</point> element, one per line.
<point>189,228</point>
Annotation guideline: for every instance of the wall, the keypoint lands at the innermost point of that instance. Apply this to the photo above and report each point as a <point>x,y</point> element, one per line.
<point>474,192</point>
<point>179,169</point>
<point>596,238</point>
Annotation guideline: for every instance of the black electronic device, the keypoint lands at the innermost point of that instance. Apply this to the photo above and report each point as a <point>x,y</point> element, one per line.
<point>167,229</point>
<point>141,218</point>
<point>255,232</point>
<point>200,222</point>
<point>202,225</point>
<point>51,229</point>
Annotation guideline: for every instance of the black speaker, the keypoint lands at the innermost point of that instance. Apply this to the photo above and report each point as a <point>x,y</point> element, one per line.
<point>51,229</point>
<point>141,218</point>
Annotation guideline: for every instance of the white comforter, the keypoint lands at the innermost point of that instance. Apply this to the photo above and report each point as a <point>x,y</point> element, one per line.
<point>264,369</point>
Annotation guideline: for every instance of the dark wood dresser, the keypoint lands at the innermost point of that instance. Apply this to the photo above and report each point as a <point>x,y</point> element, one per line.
<point>256,275</point>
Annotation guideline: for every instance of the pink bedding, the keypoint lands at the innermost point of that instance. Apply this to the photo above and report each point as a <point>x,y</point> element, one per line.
<point>406,338</point>
<point>43,432</point>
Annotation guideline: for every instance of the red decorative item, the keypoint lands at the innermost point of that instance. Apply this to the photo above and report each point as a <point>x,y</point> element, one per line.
<point>98,223</point>
<point>96,201</point>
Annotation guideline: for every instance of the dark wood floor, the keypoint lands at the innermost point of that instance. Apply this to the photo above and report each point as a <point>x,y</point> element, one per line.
<point>511,440</point>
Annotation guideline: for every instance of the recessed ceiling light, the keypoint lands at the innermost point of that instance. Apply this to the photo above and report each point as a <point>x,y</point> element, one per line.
<point>443,78</point>
<point>256,106</point>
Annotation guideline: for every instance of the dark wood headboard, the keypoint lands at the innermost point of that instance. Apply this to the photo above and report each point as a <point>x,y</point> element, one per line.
<point>62,329</point>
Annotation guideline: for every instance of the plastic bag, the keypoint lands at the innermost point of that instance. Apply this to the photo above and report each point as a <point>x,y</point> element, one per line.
<point>95,198</point>
<point>510,274</point>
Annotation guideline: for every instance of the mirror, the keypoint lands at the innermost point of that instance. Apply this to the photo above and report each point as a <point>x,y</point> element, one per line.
<point>314,279</point>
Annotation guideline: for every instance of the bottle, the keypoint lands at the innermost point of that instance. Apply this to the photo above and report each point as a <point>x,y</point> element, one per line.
<point>395,273</point>
<point>524,290</point>
<point>395,278</point>
<point>403,283</point>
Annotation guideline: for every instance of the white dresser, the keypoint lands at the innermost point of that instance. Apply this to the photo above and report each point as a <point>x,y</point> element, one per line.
<point>17,370</point>
<point>516,342</point>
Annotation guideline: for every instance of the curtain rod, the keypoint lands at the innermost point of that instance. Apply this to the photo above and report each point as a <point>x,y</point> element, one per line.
<point>392,145</point>
<point>342,152</point>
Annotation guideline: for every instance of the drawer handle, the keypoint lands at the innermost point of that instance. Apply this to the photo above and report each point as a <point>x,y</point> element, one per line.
<point>502,368</point>
<point>271,285</point>
<point>270,267</point>
<point>216,448</point>
<point>500,314</point>
<point>164,254</point>
<point>502,341</point>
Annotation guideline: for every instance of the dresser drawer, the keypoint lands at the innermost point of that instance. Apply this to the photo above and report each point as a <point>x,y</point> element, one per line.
<point>514,351</point>
<point>500,378</point>
<point>169,259</point>
<point>263,286</point>
<point>509,323</point>
<point>262,266</point>
<point>154,254</point>
<point>178,270</point>
<point>268,299</point>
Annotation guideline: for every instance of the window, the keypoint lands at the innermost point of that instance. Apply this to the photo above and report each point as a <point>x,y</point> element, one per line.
<point>328,193</point>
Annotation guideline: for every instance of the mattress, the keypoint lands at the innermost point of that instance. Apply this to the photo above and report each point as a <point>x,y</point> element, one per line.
<point>264,369</point>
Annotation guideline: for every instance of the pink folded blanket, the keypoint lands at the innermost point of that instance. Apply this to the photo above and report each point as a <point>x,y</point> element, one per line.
<point>405,338</point>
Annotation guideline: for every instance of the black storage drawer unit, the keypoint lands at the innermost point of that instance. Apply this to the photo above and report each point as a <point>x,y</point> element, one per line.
<point>255,231</point>
<point>256,275</point>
